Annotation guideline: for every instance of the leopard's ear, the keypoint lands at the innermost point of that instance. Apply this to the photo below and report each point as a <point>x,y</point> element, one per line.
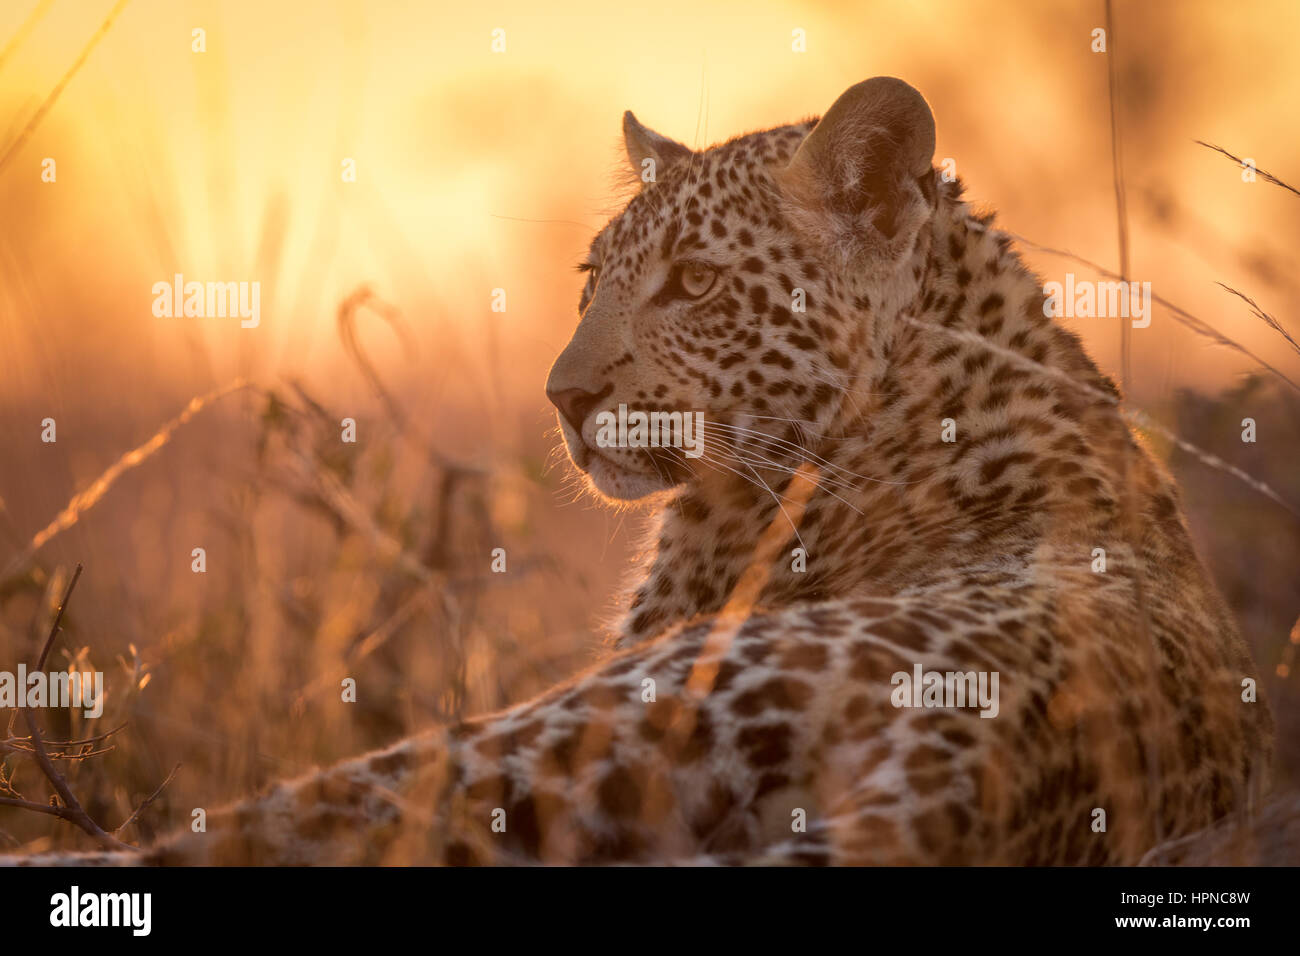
<point>855,183</point>
<point>649,153</point>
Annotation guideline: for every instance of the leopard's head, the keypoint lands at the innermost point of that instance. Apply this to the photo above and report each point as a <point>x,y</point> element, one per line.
<point>738,289</point>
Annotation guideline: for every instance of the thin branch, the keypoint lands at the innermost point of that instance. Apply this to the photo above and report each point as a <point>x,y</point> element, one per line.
<point>25,30</point>
<point>57,754</point>
<point>63,813</point>
<point>335,496</point>
<point>364,296</point>
<point>49,641</point>
<point>1263,316</point>
<point>58,619</point>
<point>417,601</point>
<point>16,743</point>
<point>50,100</point>
<point>1121,198</point>
<point>87,499</point>
<point>72,811</point>
<point>76,814</point>
<point>1241,162</point>
<point>1140,418</point>
<point>1180,315</point>
<point>148,802</point>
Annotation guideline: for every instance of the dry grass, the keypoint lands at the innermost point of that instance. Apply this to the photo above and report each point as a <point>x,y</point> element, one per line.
<point>370,561</point>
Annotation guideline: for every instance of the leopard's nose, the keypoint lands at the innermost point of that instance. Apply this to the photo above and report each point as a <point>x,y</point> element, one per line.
<point>575,404</point>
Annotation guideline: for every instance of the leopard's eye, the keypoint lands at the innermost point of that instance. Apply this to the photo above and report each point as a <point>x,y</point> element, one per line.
<point>592,271</point>
<point>695,278</point>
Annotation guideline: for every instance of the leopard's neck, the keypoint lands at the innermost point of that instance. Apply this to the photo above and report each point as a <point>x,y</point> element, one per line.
<point>967,439</point>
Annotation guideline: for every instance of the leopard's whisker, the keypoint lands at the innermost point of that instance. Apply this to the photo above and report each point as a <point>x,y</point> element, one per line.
<point>811,456</point>
<point>822,478</point>
<point>758,482</point>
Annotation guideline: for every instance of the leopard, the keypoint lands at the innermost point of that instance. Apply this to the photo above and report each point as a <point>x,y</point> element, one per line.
<point>908,481</point>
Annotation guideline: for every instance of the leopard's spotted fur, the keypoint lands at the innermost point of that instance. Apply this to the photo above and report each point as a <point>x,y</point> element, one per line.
<point>1120,690</point>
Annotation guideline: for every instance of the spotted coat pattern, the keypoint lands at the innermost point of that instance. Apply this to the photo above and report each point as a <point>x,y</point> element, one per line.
<point>1120,691</point>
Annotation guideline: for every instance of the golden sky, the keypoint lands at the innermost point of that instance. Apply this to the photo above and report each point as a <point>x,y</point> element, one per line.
<point>479,169</point>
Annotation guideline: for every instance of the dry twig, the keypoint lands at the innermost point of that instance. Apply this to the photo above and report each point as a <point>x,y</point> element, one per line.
<point>68,808</point>
<point>1241,162</point>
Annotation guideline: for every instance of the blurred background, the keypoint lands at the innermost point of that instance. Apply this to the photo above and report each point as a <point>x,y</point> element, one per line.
<point>479,169</point>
